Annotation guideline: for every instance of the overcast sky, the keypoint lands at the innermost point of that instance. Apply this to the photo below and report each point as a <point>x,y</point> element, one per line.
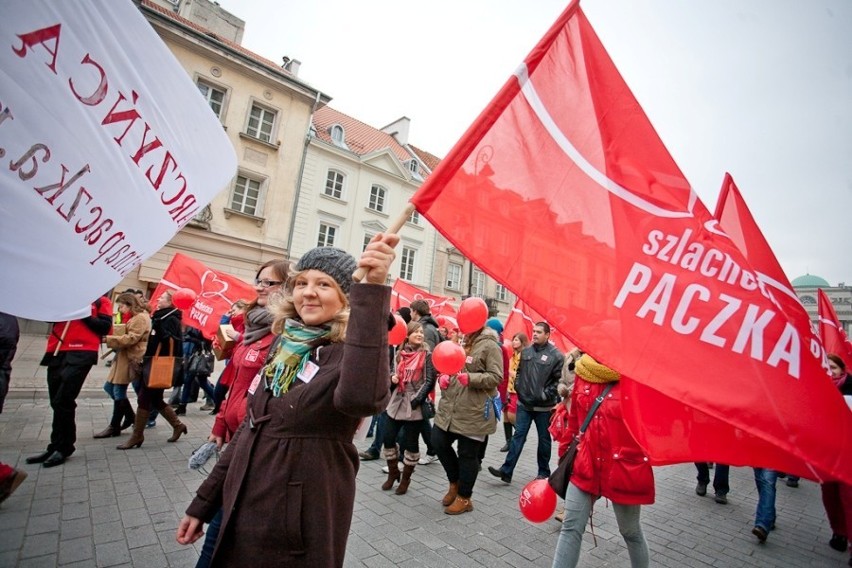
<point>759,88</point>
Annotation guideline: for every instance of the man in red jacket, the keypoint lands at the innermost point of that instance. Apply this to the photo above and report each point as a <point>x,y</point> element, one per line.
<point>72,350</point>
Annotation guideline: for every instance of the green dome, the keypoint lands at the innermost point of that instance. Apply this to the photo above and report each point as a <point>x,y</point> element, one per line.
<point>810,281</point>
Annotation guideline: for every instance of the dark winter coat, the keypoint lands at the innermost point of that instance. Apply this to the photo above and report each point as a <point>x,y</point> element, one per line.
<point>538,376</point>
<point>286,481</point>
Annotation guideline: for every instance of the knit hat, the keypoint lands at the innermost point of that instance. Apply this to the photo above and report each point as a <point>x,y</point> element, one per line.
<point>494,324</point>
<point>594,372</point>
<point>335,262</point>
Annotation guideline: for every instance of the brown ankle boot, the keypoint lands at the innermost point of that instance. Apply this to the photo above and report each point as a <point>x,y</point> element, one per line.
<point>452,492</point>
<point>109,432</point>
<point>114,428</point>
<point>137,437</point>
<point>393,474</point>
<point>406,479</point>
<point>459,506</point>
<point>178,427</point>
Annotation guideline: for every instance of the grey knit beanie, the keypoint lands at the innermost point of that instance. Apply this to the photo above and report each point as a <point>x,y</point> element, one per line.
<point>335,262</point>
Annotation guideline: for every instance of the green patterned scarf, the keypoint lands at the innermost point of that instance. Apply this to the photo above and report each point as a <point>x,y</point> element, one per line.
<point>293,352</point>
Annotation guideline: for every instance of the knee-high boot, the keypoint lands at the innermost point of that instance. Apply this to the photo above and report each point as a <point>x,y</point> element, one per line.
<point>393,475</point>
<point>178,427</point>
<point>114,428</point>
<point>137,437</point>
<point>406,479</point>
<point>127,412</point>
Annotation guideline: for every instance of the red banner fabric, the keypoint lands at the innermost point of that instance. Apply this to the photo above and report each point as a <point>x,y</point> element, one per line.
<point>522,319</point>
<point>216,292</point>
<point>404,293</point>
<point>572,201</point>
<point>831,331</point>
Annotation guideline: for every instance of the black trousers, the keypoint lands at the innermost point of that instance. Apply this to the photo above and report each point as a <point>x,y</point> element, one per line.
<point>461,468</point>
<point>66,373</point>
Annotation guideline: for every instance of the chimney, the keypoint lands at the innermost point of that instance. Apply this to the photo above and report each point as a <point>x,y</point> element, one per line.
<point>399,129</point>
<point>291,65</point>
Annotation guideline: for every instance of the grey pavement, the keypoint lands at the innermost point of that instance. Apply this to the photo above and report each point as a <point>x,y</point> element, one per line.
<point>105,507</point>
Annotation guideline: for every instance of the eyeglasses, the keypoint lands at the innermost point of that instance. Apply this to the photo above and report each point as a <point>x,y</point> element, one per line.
<point>266,283</point>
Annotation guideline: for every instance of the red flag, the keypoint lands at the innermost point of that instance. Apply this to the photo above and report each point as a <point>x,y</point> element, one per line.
<point>619,254</point>
<point>831,330</point>
<point>404,293</point>
<point>522,319</point>
<point>216,292</point>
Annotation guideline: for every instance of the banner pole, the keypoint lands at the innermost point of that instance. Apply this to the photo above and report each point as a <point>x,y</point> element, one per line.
<point>359,274</point>
<point>61,339</point>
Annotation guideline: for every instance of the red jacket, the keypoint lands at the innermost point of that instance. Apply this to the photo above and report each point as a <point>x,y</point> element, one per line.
<point>246,361</point>
<point>81,334</point>
<point>609,462</point>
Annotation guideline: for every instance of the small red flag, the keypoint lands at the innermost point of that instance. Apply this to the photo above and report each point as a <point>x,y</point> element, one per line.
<point>831,330</point>
<point>522,319</point>
<point>404,293</point>
<point>216,292</point>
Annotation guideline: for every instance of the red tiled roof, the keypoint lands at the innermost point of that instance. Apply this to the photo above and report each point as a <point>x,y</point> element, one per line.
<point>230,44</point>
<point>430,160</point>
<point>363,139</point>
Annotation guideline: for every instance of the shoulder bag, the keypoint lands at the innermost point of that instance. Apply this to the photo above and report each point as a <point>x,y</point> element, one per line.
<point>559,479</point>
<point>161,371</point>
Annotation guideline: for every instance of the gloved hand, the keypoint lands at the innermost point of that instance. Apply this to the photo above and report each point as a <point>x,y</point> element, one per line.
<point>463,379</point>
<point>444,382</point>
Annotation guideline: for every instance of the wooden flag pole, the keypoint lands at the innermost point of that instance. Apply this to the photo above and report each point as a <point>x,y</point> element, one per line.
<point>359,274</point>
<point>61,339</point>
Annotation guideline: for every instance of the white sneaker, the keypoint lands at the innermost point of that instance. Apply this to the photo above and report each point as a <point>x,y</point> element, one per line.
<point>427,459</point>
<point>386,470</point>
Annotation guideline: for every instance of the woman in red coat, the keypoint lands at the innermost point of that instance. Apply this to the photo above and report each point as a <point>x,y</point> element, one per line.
<point>609,463</point>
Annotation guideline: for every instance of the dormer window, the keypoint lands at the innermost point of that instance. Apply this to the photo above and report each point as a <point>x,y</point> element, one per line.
<point>412,166</point>
<point>337,135</point>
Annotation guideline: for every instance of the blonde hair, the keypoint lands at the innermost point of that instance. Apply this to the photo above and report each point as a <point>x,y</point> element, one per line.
<point>282,307</point>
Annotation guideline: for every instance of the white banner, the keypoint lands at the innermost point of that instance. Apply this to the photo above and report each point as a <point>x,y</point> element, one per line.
<point>107,149</point>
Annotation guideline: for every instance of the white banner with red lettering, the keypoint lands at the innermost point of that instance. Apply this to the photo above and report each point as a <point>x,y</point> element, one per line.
<point>107,151</point>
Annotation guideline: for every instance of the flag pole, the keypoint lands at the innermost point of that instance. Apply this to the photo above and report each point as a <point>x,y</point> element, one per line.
<point>61,339</point>
<point>359,274</point>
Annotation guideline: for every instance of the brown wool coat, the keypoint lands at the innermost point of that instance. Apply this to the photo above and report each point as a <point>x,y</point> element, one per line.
<point>287,480</point>
<point>129,347</point>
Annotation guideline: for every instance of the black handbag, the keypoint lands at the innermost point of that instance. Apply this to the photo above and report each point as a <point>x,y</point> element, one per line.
<point>201,363</point>
<point>428,408</point>
<point>559,479</point>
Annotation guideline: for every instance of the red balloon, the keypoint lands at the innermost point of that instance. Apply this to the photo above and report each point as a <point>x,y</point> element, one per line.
<point>537,501</point>
<point>183,298</point>
<point>399,332</point>
<point>472,315</point>
<point>448,357</point>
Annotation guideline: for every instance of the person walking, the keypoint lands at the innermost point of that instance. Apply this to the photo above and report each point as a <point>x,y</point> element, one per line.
<point>72,351</point>
<point>414,379</point>
<point>609,463</point>
<point>520,341</point>
<point>286,482</point>
<point>166,340</point>
<point>467,414</point>
<point>127,365</point>
<point>536,387</point>
<point>10,333</point>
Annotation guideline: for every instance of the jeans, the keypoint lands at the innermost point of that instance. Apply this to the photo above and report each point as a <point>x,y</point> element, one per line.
<point>425,429</point>
<point>720,478</point>
<point>523,420</point>
<point>376,446</point>
<point>765,479</point>
<point>116,392</point>
<point>210,541</point>
<point>578,506</point>
<point>66,374</point>
<point>461,468</point>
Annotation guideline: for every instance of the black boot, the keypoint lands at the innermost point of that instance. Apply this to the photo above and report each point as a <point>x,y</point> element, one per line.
<point>507,430</point>
<point>127,413</point>
<point>181,409</point>
<point>114,428</point>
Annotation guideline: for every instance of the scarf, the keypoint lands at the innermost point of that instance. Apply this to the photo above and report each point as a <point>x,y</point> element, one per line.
<point>292,354</point>
<point>410,366</point>
<point>258,324</point>
<point>594,372</point>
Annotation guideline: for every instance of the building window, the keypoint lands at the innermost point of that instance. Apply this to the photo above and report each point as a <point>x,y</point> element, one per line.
<point>414,218</point>
<point>502,293</point>
<point>477,287</point>
<point>327,234</point>
<point>377,198</point>
<point>214,97</point>
<point>337,135</point>
<point>367,238</point>
<point>334,184</point>
<point>246,195</point>
<point>412,166</point>
<point>454,276</point>
<point>406,271</point>
<point>260,123</point>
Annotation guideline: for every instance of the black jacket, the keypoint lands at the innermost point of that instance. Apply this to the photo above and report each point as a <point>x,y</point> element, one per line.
<point>165,331</point>
<point>430,331</point>
<point>538,376</point>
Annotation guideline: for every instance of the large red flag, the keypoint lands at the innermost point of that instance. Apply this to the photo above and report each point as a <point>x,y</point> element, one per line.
<point>215,290</point>
<point>404,293</point>
<point>522,318</point>
<point>619,254</point>
<point>831,330</point>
